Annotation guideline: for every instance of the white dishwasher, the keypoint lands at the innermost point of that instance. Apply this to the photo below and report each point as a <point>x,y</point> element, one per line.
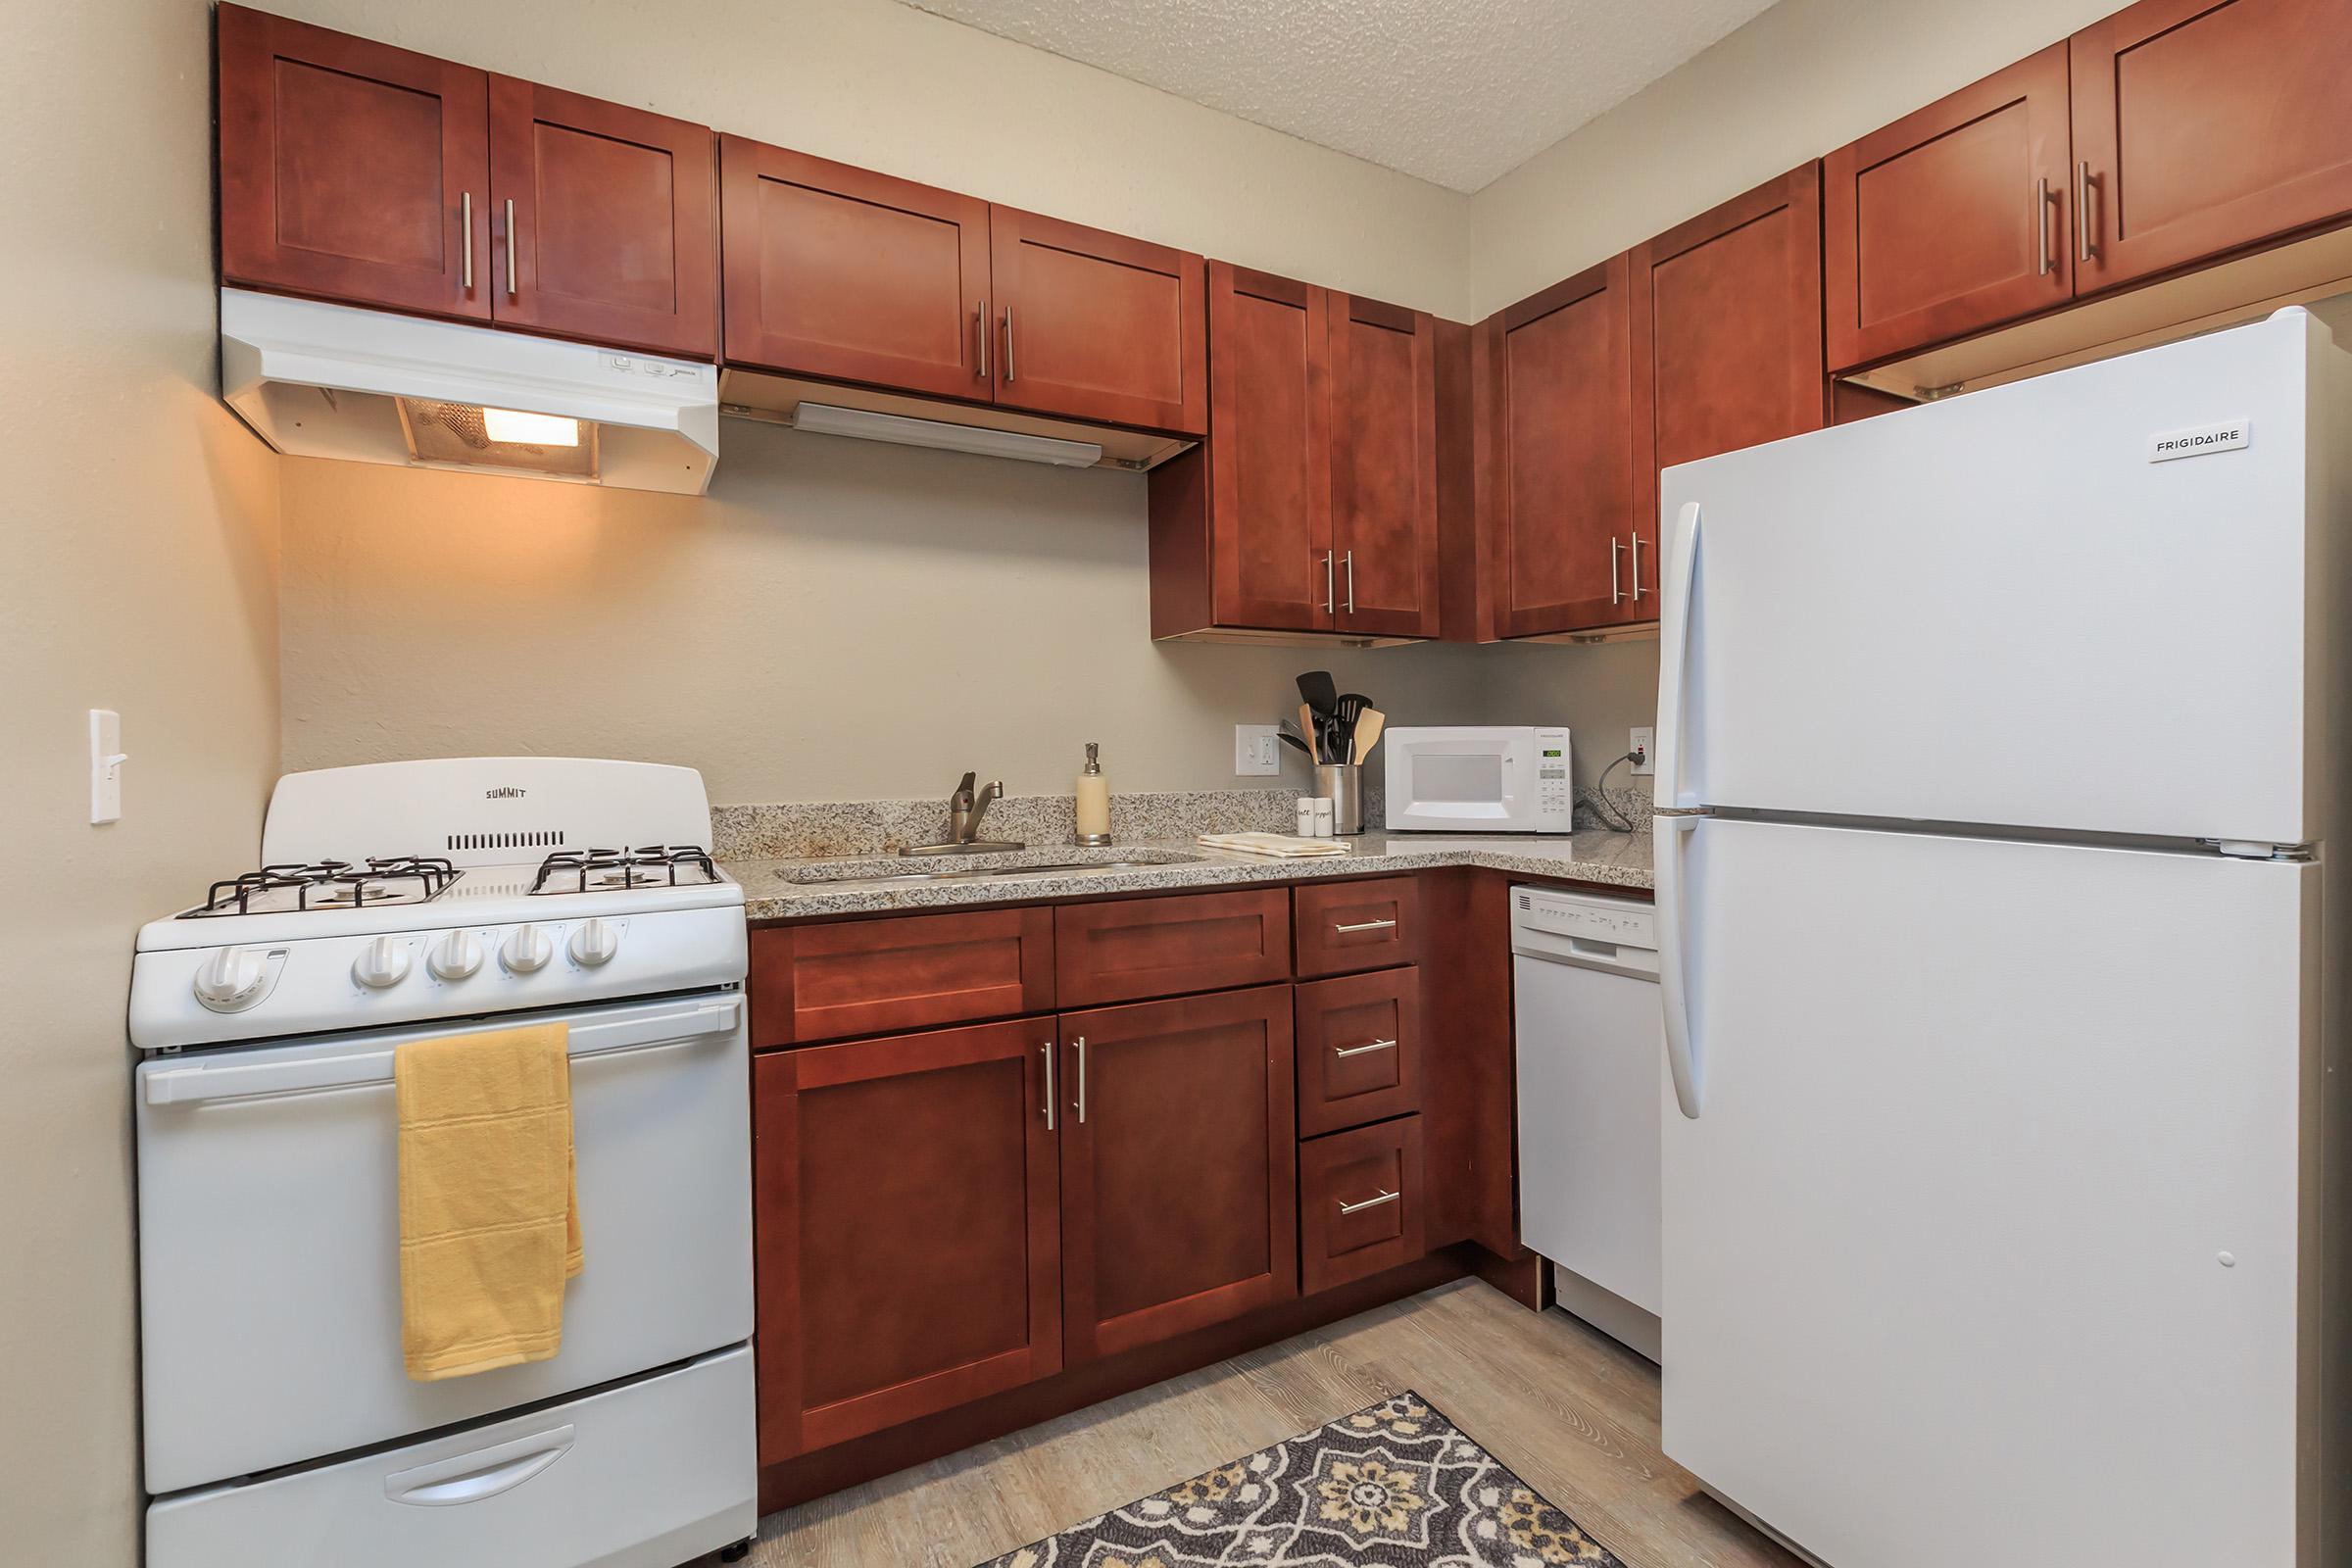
<point>1592,1088</point>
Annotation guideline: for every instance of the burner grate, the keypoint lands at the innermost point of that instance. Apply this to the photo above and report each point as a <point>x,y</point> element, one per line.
<point>329,885</point>
<point>650,865</point>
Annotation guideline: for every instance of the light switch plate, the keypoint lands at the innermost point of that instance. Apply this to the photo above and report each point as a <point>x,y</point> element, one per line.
<point>106,765</point>
<point>1641,744</point>
<point>1255,751</point>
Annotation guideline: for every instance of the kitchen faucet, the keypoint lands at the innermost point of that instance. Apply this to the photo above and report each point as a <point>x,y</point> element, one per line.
<point>966,809</point>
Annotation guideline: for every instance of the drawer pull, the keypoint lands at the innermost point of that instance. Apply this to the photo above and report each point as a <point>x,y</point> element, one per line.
<point>1365,925</point>
<point>1048,1049</point>
<point>1363,1051</point>
<point>1080,1044</point>
<point>1347,1207</point>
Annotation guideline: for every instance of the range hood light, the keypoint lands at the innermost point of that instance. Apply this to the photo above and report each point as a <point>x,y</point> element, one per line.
<point>825,419</point>
<point>518,428</point>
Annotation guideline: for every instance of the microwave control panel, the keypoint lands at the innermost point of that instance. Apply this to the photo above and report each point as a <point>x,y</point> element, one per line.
<point>1555,794</point>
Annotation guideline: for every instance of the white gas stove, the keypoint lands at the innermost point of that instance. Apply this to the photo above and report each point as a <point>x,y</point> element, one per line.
<point>396,902</point>
<point>404,891</point>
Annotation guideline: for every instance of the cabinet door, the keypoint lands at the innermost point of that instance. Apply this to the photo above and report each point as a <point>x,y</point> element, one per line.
<point>1726,340</point>
<point>908,1236</point>
<point>1383,467</point>
<point>1952,218</point>
<point>1099,326</point>
<point>849,275</point>
<point>352,171</point>
<point>1269,468</point>
<point>1556,485</point>
<point>614,233</point>
<point>2204,125</point>
<point>1178,1204</point>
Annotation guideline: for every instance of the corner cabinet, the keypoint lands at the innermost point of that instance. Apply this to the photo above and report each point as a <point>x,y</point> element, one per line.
<point>358,172</point>
<point>1312,508</point>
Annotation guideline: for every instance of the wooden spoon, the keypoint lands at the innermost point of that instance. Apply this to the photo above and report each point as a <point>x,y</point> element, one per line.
<point>1368,726</point>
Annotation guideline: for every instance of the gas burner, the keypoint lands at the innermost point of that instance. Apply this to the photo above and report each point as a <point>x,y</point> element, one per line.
<point>328,885</point>
<point>650,865</point>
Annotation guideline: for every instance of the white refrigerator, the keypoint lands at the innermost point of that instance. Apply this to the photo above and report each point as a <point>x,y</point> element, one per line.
<point>2000,756</point>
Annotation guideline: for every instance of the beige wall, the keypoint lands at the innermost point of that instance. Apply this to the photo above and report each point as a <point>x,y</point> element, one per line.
<point>141,526</point>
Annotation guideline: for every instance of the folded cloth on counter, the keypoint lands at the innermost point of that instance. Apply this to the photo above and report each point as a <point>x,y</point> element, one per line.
<point>1281,846</point>
<point>489,1199</point>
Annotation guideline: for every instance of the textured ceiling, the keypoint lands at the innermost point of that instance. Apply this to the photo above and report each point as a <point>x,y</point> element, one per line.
<point>1458,92</point>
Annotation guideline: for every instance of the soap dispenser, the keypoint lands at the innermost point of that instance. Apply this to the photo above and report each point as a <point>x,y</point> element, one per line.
<point>1094,799</point>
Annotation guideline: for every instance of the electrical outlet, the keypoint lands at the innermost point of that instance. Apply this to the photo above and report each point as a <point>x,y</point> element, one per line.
<point>1641,748</point>
<point>1255,751</point>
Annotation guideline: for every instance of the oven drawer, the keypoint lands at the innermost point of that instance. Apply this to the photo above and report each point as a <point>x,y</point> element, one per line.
<point>269,1239</point>
<point>1359,1048</point>
<point>640,1475</point>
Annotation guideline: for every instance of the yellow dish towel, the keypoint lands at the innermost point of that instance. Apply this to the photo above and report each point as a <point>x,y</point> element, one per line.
<point>489,1199</point>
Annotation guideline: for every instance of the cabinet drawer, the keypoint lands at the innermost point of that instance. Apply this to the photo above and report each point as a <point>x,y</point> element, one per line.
<point>1346,926</point>
<point>1359,1048</point>
<point>1166,946</point>
<point>1359,1202</point>
<point>826,982</point>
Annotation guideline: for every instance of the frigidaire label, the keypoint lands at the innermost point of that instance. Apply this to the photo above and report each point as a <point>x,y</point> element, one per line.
<point>2230,436</point>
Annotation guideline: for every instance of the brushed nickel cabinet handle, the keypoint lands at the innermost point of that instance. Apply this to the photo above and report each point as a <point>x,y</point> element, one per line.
<point>1365,925</point>
<point>980,336</point>
<point>1386,1197</point>
<point>511,294</point>
<point>1637,565</point>
<point>1079,1044</point>
<point>1614,548</point>
<point>1048,1050</point>
<point>1363,1051</point>
<point>1009,345</point>
<point>465,241</point>
<point>1351,582</point>
<point>1331,595</point>
<point>2042,228</point>
<point>2085,250</point>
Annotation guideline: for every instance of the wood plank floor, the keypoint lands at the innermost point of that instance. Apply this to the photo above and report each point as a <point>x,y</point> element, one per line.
<point>1572,1412</point>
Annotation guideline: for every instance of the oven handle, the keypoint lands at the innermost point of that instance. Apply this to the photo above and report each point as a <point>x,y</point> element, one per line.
<point>612,1037</point>
<point>485,1473</point>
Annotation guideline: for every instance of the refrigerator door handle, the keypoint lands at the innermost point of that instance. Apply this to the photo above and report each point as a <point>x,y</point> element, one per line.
<point>1675,582</point>
<point>1682,1056</point>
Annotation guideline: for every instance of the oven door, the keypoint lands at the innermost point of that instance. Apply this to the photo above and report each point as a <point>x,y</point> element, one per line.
<point>1475,780</point>
<point>270,1245</point>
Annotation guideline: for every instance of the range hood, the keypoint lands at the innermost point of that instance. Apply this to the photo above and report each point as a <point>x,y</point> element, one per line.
<point>320,380</point>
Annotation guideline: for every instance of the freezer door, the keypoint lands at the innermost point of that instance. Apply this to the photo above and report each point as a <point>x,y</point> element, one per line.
<point>1984,1243</point>
<point>2014,608</point>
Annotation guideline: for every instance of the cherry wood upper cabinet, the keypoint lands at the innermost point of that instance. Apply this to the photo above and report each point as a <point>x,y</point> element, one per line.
<point>1098,326</point>
<point>605,222</point>
<point>1952,218</point>
<point>1269,466</point>
<point>849,275</point>
<point>2202,127</point>
<point>1727,345</point>
<point>894,1176</point>
<point>1383,467</point>
<point>1555,493</point>
<point>1178,1167</point>
<point>352,171</point>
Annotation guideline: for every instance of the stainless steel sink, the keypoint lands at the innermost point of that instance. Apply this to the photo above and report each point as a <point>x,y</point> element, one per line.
<point>895,872</point>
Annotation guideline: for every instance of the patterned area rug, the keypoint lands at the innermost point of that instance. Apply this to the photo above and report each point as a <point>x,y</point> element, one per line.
<point>1393,1486</point>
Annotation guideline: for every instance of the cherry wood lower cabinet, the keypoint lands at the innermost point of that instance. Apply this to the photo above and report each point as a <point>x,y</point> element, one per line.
<point>1360,1203</point>
<point>1178,1206</point>
<point>1358,923</point>
<point>859,977</point>
<point>1360,1045</point>
<point>1138,947</point>
<point>908,1229</point>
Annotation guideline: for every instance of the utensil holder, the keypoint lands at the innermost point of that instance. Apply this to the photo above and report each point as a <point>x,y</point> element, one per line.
<point>1342,784</point>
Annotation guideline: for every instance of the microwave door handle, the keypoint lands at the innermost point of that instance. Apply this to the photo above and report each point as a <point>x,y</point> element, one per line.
<point>1677,584</point>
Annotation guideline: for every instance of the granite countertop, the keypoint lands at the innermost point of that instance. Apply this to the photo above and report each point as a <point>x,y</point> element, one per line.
<point>1591,855</point>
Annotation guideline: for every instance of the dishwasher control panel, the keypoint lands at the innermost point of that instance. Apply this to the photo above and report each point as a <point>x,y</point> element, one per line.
<point>1617,921</point>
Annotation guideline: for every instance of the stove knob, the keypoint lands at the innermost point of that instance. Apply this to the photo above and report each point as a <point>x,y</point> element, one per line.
<point>384,964</point>
<point>526,949</point>
<point>230,980</point>
<point>594,944</point>
<point>458,958</point>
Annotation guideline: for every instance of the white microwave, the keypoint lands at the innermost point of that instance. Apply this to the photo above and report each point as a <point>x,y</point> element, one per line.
<point>1479,779</point>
